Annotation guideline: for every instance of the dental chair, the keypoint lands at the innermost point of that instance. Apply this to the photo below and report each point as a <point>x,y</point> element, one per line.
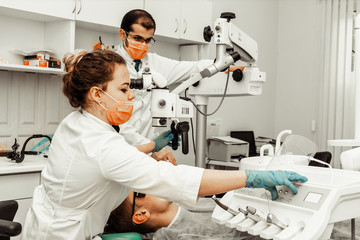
<point>8,228</point>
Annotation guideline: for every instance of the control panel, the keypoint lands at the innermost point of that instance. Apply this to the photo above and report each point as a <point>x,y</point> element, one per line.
<point>326,198</point>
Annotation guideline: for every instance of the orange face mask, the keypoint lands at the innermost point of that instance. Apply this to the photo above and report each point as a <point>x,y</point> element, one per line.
<point>136,50</point>
<point>122,112</point>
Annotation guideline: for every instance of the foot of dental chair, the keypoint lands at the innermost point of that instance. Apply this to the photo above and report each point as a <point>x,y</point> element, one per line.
<point>122,236</point>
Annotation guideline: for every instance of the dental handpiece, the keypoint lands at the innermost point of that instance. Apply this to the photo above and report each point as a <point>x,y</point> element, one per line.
<point>271,218</point>
<point>253,215</point>
<point>223,206</point>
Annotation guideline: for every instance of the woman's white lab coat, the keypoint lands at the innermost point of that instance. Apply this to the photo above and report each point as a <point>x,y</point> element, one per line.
<point>89,173</point>
<point>138,129</point>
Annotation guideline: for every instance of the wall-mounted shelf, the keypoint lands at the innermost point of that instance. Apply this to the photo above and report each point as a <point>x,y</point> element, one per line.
<point>22,68</point>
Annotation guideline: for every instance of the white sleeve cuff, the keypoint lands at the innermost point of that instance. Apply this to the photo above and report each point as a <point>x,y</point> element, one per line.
<point>190,186</point>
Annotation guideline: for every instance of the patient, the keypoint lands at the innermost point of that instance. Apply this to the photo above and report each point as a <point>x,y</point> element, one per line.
<point>167,221</point>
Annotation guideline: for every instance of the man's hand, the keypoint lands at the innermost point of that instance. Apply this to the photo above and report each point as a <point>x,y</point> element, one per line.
<point>233,68</point>
<point>163,140</point>
<point>164,155</point>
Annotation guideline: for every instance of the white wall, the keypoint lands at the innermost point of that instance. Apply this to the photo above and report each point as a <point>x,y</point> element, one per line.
<point>259,19</point>
<point>298,70</point>
<point>288,37</point>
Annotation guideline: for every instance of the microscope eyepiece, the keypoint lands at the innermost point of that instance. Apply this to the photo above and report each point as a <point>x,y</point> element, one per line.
<point>136,83</point>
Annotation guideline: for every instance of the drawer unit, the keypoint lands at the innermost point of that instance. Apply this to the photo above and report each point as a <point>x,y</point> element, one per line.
<point>18,186</point>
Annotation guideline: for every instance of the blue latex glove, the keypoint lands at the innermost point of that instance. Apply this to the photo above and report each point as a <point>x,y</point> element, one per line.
<point>163,140</point>
<point>270,179</point>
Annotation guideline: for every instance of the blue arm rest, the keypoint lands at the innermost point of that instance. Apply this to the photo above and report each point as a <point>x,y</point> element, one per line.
<point>122,236</point>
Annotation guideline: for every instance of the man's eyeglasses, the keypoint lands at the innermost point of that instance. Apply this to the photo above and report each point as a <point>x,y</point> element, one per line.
<point>139,195</point>
<point>149,41</point>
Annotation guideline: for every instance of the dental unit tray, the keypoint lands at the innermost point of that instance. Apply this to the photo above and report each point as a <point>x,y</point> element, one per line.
<point>329,196</point>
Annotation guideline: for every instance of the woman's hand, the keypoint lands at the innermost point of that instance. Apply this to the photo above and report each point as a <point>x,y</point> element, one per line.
<point>164,155</point>
<point>270,179</point>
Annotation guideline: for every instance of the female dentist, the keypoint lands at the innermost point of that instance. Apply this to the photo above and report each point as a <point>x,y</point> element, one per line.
<point>91,168</point>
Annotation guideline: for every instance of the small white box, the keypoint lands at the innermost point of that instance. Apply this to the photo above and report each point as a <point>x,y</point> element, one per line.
<point>223,148</point>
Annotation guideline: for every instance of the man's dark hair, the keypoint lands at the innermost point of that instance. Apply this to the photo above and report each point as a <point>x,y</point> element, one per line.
<point>120,221</point>
<point>138,16</point>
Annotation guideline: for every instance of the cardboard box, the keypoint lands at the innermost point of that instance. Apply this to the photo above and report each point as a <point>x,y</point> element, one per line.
<point>54,64</point>
<point>225,148</point>
<point>35,62</point>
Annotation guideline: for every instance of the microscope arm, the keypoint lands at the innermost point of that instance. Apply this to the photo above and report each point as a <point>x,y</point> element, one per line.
<point>219,65</point>
<point>227,36</point>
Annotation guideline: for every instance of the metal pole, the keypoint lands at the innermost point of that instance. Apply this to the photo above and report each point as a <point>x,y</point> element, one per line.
<point>200,156</point>
<point>353,229</point>
<point>357,76</point>
<point>200,137</point>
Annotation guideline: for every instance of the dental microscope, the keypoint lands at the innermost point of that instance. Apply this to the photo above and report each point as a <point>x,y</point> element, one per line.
<point>232,44</point>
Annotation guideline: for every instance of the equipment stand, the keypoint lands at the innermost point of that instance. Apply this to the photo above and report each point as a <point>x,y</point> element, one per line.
<point>201,124</point>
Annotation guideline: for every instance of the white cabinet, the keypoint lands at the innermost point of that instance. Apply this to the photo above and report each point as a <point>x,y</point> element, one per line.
<point>181,19</point>
<point>101,18</point>
<point>31,104</point>
<point>23,33</point>
<point>18,181</point>
<point>65,25</point>
<point>195,15</point>
<point>37,24</point>
<point>166,15</point>
<point>20,187</point>
<point>57,25</point>
<point>105,12</point>
<point>54,8</point>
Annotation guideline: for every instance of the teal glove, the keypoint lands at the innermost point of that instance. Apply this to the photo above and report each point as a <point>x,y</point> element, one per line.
<point>270,179</point>
<point>163,140</point>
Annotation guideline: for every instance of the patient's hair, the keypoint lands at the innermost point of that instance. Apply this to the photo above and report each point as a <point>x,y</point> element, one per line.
<point>120,220</point>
